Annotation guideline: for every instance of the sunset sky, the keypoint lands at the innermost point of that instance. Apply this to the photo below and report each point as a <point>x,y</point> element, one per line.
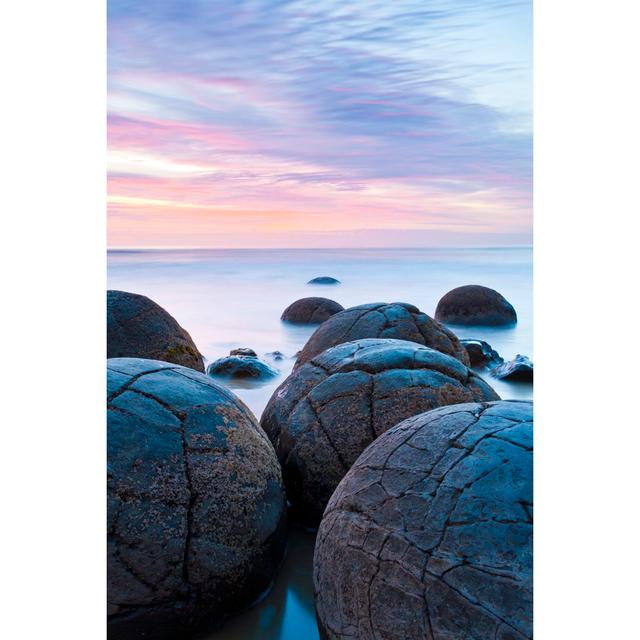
<point>319,124</point>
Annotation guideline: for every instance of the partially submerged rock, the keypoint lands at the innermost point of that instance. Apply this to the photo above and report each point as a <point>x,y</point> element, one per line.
<point>243,351</point>
<point>481,354</point>
<point>196,507</point>
<point>430,533</point>
<point>310,310</point>
<point>137,327</point>
<point>520,368</point>
<point>329,410</point>
<point>241,367</point>
<point>398,320</point>
<point>276,355</point>
<point>475,305</point>
<point>323,280</point>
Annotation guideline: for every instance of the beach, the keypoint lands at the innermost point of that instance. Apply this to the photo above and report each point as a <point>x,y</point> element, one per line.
<point>228,298</point>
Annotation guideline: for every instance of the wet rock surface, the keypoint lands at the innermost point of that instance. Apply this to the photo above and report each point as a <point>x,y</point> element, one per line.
<point>310,310</point>
<point>481,354</point>
<point>241,366</point>
<point>327,412</point>
<point>243,351</point>
<point>323,280</point>
<point>196,507</point>
<point>398,320</point>
<point>137,327</point>
<point>475,305</point>
<point>518,369</point>
<point>429,535</point>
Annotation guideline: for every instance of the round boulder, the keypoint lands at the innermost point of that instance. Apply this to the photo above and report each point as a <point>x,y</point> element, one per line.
<point>430,533</point>
<point>310,310</point>
<point>475,305</point>
<point>398,320</point>
<point>323,280</point>
<point>241,367</point>
<point>327,412</point>
<point>137,327</point>
<point>196,507</point>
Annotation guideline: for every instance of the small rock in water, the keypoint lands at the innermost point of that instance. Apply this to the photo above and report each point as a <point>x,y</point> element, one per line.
<point>241,367</point>
<point>520,368</point>
<point>243,351</point>
<point>481,354</point>
<point>310,311</point>
<point>276,355</point>
<point>475,305</point>
<point>323,280</point>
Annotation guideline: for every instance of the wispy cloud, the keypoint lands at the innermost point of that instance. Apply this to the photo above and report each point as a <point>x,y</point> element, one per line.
<point>386,115</point>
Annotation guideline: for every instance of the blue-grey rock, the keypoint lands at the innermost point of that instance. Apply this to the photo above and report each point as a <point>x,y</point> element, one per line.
<point>243,351</point>
<point>196,507</point>
<point>481,354</point>
<point>429,535</point>
<point>323,280</point>
<point>137,327</point>
<point>519,369</point>
<point>398,320</point>
<point>328,411</point>
<point>241,366</point>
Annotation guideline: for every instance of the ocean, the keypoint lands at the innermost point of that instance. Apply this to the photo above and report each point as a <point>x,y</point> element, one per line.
<point>228,298</point>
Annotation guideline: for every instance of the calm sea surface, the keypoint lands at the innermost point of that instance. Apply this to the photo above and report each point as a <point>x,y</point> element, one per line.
<point>234,298</point>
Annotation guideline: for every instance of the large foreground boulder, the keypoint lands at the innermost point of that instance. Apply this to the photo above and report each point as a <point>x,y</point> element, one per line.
<point>327,412</point>
<point>310,310</point>
<point>137,327</point>
<point>475,305</point>
<point>430,533</point>
<point>398,320</point>
<point>196,506</point>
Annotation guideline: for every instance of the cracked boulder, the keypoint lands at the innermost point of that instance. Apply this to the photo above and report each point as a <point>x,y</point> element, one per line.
<point>196,507</point>
<point>475,305</point>
<point>398,320</point>
<point>310,310</point>
<point>328,411</point>
<point>137,327</point>
<point>430,533</point>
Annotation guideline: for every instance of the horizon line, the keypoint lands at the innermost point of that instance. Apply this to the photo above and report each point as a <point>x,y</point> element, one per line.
<point>200,248</point>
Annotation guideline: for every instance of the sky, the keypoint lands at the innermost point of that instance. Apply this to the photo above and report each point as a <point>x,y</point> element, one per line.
<point>319,123</point>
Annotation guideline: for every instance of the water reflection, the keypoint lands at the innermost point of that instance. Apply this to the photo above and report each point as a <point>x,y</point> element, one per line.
<point>287,611</point>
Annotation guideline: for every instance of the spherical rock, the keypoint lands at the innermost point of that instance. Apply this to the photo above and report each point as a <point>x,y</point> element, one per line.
<point>137,327</point>
<point>475,305</point>
<point>310,310</point>
<point>323,280</point>
<point>481,354</point>
<point>196,506</point>
<point>327,412</point>
<point>241,367</point>
<point>243,351</point>
<point>519,369</point>
<point>398,320</point>
<point>430,533</point>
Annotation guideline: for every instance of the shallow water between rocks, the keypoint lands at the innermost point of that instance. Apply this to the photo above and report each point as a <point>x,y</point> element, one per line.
<point>229,298</point>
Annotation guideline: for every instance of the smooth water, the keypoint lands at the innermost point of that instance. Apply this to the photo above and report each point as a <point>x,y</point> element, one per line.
<point>234,298</point>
